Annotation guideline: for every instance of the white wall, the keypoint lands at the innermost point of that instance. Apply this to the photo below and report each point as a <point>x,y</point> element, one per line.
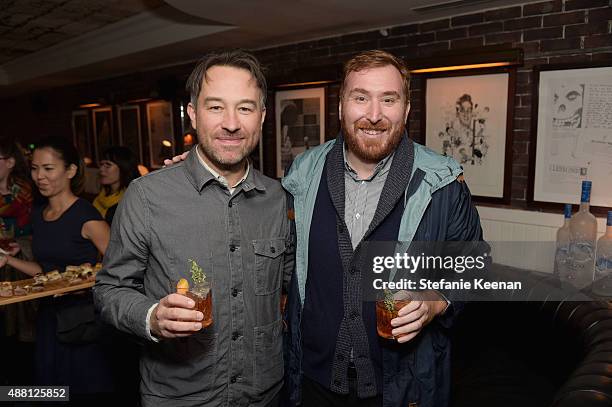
<point>515,225</point>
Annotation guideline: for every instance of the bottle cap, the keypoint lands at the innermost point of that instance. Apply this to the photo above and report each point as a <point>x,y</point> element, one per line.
<point>586,191</point>
<point>567,211</point>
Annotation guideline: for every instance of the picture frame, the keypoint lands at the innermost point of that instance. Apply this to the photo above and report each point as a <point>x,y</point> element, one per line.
<point>300,123</point>
<point>161,132</point>
<point>469,116</point>
<point>572,130</point>
<point>102,129</point>
<point>130,129</point>
<point>81,133</point>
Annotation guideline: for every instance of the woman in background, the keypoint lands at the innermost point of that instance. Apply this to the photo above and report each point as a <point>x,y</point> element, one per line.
<point>67,230</point>
<point>118,167</point>
<point>15,190</point>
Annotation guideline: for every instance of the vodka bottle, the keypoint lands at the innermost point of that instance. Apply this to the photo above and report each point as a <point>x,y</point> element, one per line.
<point>583,236</point>
<point>602,285</point>
<point>562,258</point>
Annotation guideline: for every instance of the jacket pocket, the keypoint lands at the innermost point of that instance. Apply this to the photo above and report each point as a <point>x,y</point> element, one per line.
<point>268,264</point>
<point>182,367</point>
<point>268,365</point>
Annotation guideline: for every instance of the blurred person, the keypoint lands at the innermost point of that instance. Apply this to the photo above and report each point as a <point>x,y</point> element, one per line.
<point>15,189</point>
<point>118,167</point>
<point>67,230</point>
<point>216,211</point>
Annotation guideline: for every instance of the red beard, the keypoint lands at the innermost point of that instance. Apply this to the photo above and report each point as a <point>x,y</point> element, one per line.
<point>372,150</point>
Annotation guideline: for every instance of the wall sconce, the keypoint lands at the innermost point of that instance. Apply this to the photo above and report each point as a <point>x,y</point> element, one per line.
<point>477,58</point>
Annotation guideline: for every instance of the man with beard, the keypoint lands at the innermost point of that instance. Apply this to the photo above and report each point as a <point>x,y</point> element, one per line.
<point>372,183</point>
<point>213,215</point>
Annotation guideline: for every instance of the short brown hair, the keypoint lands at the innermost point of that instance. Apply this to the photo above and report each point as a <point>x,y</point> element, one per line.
<point>235,58</point>
<point>376,59</point>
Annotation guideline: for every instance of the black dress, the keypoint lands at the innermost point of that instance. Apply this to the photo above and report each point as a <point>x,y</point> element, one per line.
<point>84,365</point>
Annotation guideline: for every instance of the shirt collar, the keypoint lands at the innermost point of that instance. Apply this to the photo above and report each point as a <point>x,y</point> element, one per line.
<point>200,174</point>
<point>381,168</point>
<point>220,178</point>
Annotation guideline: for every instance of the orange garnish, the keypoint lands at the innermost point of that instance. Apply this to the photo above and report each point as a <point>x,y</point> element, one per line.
<point>182,286</point>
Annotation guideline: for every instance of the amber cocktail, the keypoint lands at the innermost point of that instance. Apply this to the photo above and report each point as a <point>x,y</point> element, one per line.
<point>386,310</point>
<point>201,294</point>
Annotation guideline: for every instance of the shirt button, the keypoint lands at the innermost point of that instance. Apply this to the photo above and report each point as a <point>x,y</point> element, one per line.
<point>230,204</point>
<point>235,336</point>
<point>272,250</point>
<point>233,379</point>
<point>234,292</point>
<point>232,248</point>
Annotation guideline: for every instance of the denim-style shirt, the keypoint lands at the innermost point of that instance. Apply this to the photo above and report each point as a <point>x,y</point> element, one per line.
<point>242,242</point>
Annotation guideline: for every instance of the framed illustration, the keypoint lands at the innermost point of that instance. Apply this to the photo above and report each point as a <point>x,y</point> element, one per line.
<point>468,117</point>
<point>161,135</point>
<point>129,129</point>
<point>300,123</point>
<point>81,133</point>
<point>103,129</point>
<point>572,122</point>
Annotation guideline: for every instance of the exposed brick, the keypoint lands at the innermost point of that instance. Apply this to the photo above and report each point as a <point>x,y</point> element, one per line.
<point>579,4</point>
<point>595,27</point>
<point>503,13</point>
<point>518,181</point>
<point>427,50</point>
<point>320,52</point>
<point>328,42</point>
<point>570,59</point>
<point>517,195</point>
<point>522,135</point>
<point>351,38</point>
<point>486,28</point>
<point>523,77</point>
<point>467,19</point>
<point>543,33</point>
<point>467,43</point>
<point>574,17</point>
<point>522,23</point>
<point>531,48</point>
<point>559,45</point>
<point>435,25</point>
<point>544,7</point>
<point>526,99</point>
<point>597,41</point>
<point>523,89</point>
<point>420,38</point>
<point>392,42</point>
<point>522,112</point>
<point>405,29</point>
<point>599,14</point>
<point>451,34</point>
<point>503,38</point>
<point>522,124</point>
<point>520,171</point>
<point>520,159</point>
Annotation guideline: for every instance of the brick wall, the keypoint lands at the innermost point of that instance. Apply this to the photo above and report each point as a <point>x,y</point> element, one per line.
<point>549,32</point>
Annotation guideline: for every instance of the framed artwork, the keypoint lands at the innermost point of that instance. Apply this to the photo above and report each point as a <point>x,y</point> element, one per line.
<point>129,129</point>
<point>103,129</point>
<point>300,123</point>
<point>161,135</point>
<point>572,122</point>
<point>81,133</point>
<point>468,117</point>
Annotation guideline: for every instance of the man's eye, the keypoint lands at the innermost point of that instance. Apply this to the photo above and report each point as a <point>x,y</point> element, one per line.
<point>389,101</point>
<point>245,109</point>
<point>360,99</point>
<point>215,108</point>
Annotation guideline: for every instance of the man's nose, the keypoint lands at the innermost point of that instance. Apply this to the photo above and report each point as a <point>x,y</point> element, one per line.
<point>231,123</point>
<point>374,113</point>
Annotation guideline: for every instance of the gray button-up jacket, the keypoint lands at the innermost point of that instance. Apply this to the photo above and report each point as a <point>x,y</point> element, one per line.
<point>242,242</point>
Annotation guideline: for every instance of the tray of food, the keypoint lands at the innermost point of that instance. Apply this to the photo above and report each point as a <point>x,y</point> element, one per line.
<point>74,278</point>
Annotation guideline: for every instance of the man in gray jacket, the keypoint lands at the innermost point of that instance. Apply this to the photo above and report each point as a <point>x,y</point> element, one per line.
<point>216,212</point>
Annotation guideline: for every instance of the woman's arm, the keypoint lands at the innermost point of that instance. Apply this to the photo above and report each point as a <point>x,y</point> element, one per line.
<point>28,267</point>
<point>98,232</point>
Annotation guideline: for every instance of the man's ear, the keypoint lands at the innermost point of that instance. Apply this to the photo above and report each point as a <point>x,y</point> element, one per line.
<point>407,111</point>
<point>191,111</point>
<point>263,116</point>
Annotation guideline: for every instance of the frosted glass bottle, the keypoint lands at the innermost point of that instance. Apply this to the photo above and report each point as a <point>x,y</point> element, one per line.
<point>602,286</point>
<point>583,237</point>
<point>562,258</point>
